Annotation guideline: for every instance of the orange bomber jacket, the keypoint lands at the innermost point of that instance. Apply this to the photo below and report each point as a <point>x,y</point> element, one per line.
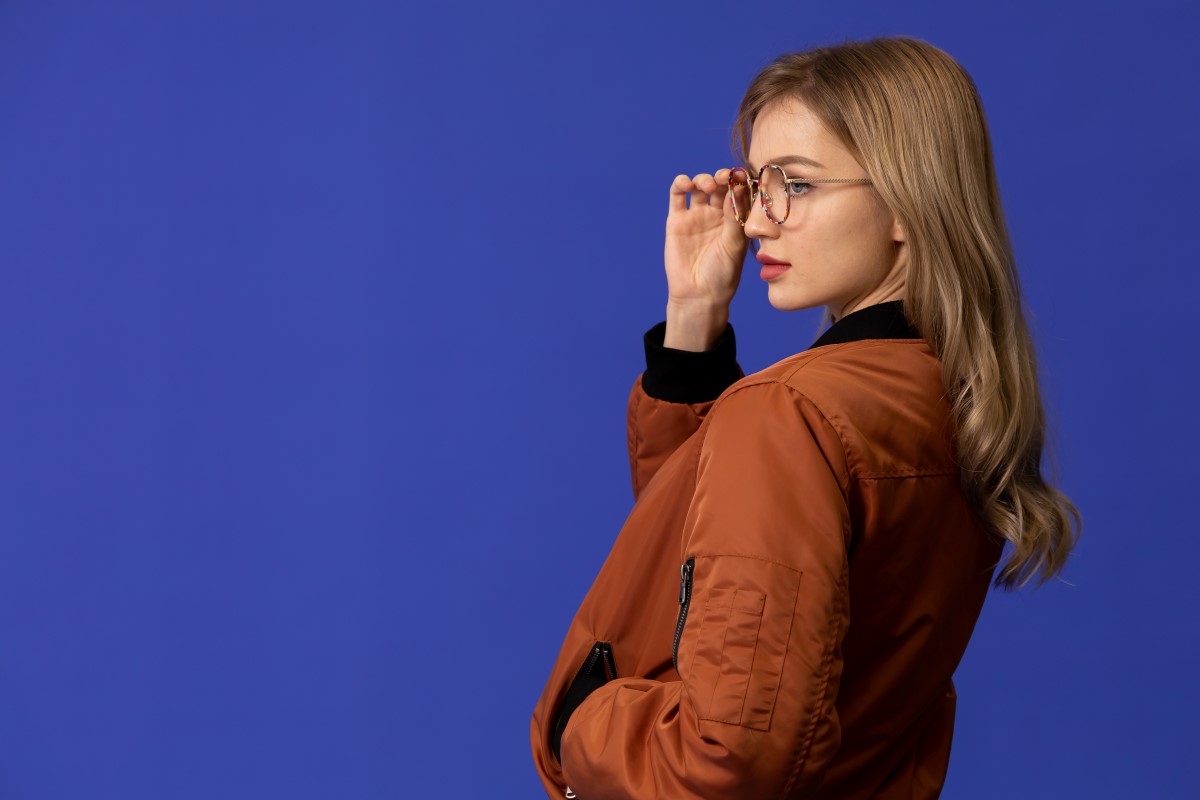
<point>783,609</point>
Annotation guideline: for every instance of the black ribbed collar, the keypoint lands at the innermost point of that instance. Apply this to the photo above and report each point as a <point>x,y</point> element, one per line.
<point>879,321</point>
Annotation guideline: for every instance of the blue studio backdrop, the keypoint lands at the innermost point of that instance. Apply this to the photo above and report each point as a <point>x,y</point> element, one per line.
<point>318,325</point>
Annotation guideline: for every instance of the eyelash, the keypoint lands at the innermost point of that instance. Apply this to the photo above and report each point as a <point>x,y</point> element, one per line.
<point>794,184</point>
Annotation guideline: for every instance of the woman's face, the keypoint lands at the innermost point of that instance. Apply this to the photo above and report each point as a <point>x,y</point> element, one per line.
<point>845,248</point>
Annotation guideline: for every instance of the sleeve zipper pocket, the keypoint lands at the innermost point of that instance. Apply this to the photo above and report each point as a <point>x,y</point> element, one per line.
<point>685,599</point>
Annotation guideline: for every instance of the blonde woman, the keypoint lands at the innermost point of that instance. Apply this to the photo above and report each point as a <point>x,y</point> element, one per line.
<point>810,545</point>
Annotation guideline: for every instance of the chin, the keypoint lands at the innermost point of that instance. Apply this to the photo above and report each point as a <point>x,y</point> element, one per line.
<point>783,300</point>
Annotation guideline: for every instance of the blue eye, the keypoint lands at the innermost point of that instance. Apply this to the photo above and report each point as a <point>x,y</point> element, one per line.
<point>798,188</point>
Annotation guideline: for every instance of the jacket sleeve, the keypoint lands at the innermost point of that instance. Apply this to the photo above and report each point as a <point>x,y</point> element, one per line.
<point>671,398</point>
<point>763,619</point>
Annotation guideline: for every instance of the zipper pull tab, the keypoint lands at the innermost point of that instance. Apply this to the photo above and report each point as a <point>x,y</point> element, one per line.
<point>685,600</point>
<point>685,574</point>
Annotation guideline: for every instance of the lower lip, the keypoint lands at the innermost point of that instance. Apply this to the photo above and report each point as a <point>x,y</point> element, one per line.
<point>770,271</point>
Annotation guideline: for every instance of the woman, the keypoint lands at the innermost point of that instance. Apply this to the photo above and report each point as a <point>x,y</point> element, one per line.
<point>810,546</point>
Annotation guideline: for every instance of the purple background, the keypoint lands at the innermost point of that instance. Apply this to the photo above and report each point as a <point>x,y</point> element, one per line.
<point>318,323</point>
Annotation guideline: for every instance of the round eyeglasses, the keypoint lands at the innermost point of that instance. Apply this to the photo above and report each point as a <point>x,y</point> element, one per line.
<point>774,188</point>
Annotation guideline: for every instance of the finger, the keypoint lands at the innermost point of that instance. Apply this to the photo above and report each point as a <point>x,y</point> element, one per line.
<point>721,184</point>
<point>706,186</point>
<point>742,192</point>
<point>716,197</point>
<point>679,189</point>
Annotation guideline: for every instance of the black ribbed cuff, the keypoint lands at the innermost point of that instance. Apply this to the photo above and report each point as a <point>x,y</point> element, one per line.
<point>685,376</point>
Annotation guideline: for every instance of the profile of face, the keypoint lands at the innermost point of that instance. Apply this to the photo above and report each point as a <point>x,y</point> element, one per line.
<point>845,247</point>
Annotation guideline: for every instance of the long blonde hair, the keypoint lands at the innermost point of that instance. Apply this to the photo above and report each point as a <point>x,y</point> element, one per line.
<point>912,117</point>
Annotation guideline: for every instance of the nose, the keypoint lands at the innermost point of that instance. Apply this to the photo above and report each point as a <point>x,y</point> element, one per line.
<point>758,226</point>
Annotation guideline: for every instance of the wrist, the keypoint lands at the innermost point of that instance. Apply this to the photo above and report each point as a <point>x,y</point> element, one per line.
<point>694,325</point>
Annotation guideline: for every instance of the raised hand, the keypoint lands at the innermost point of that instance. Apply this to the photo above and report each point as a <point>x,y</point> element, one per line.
<point>704,251</point>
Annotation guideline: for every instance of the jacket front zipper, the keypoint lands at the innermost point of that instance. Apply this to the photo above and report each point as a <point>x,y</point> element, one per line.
<point>685,599</point>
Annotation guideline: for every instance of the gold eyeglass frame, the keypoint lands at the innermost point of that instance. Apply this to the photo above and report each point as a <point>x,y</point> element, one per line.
<point>754,183</point>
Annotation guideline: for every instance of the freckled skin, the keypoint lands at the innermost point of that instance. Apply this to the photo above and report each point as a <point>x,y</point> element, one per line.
<point>846,248</point>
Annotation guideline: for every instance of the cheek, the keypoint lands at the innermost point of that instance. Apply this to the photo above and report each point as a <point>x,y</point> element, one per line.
<point>852,229</point>
<point>862,218</point>
<point>827,232</point>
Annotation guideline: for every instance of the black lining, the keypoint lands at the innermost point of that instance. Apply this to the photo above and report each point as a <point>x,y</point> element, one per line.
<point>686,376</point>
<point>598,669</point>
<point>879,321</point>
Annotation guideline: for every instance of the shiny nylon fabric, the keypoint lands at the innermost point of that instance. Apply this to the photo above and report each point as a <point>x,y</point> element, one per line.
<point>838,576</point>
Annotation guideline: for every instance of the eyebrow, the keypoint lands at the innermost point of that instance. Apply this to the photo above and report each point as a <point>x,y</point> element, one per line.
<point>785,160</point>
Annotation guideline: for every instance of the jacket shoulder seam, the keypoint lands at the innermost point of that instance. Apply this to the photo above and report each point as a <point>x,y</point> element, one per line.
<point>825,351</point>
<point>904,473</point>
<point>781,381</point>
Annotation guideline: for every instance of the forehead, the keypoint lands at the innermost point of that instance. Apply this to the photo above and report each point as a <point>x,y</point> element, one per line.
<point>788,127</point>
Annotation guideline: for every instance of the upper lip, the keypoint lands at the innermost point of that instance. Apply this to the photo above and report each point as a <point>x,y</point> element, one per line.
<point>765,259</point>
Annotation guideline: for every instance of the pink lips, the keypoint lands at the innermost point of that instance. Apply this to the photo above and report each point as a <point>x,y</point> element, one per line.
<point>772,267</point>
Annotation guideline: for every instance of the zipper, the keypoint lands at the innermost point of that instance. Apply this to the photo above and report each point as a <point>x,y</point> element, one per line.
<point>610,668</point>
<point>685,599</point>
<point>597,669</point>
<point>602,652</point>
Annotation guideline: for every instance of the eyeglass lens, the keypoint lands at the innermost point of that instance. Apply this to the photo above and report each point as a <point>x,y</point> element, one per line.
<point>739,188</point>
<point>774,184</point>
